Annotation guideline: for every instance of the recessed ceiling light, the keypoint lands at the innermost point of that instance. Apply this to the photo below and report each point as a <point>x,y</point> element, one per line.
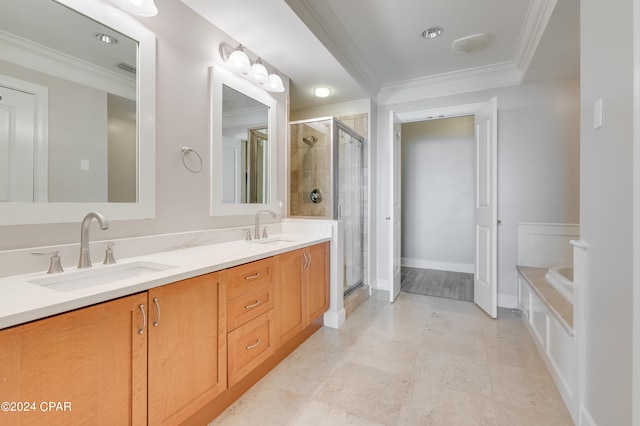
<point>322,92</point>
<point>432,32</point>
<point>106,38</point>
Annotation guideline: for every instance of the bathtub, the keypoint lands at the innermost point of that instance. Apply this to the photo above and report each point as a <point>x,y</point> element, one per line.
<point>561,278</point>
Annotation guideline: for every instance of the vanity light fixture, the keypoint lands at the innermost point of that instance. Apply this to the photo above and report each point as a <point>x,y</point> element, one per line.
<point>139,7</point>
<point>238,60</point>
<point>322,92</point>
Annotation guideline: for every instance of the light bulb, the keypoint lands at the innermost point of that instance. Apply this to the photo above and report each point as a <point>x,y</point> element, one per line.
<point>259,73</point>
<point>275,83</point>
<point>139,7</point>
<point>322,92</point>
<point>239,60</point>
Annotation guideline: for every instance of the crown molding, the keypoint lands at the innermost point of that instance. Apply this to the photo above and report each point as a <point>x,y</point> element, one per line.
<point>452,83</point>
<point>325,25</point>
<point>37,57</point>
<point>498,75</point>
<point>535,22</point>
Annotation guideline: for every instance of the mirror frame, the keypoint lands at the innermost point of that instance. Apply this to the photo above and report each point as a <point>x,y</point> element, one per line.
<point>218,77</point>
<point>23,213</point>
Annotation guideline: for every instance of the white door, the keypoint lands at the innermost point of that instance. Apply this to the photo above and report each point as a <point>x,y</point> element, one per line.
<point>395,218</point>
<point>485,286</point>
<point>17,142</point>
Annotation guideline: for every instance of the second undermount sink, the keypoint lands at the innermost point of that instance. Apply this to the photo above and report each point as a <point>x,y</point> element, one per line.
<point>277,240</point>
<point>71,281</point>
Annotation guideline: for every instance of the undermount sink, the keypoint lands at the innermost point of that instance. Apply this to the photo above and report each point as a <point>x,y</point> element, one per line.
<point>71,281</point>
<point>278,240</point>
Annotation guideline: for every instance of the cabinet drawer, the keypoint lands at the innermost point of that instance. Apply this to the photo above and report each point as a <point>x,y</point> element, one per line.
<point>248,306</point>
<point>245,278</point>
<point>249,345</point>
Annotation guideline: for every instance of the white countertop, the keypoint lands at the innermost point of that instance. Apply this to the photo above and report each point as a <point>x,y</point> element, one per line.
<point>22,301</point>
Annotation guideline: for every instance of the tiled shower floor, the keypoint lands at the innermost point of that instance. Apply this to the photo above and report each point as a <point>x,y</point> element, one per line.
<point>419,361</point>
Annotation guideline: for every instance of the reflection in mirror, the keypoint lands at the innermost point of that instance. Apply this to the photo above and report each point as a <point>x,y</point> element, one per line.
<point>243,145</point>
<point>75,79</point>
<point>87,147</point>
<point>244,148</point>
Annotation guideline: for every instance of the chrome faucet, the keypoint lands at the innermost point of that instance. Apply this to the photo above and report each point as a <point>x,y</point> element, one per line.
<point>256,233</point>
<point>85,256</point>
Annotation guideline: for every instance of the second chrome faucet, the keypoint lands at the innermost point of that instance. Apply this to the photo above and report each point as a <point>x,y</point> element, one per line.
<point>256,233</point>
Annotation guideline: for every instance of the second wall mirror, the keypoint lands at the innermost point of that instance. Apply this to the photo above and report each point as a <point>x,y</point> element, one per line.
<point>243,147</point>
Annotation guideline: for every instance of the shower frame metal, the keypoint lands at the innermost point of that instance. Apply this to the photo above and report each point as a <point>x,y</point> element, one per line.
<point>335,127</point>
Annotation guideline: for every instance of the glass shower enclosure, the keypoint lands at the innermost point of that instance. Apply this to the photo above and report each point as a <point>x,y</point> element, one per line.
<point>326,181</point>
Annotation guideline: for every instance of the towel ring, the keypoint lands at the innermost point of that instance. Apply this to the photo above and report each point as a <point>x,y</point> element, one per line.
<point>185,151</point>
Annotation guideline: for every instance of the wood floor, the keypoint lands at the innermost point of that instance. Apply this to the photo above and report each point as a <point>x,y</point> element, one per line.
<point>431,282</point>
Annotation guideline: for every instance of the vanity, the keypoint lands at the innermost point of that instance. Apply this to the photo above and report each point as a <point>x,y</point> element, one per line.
<point>177,330</point>
<point>172,346</point>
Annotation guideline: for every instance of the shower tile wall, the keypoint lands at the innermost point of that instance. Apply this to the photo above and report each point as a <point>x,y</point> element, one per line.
<point>310,169</point>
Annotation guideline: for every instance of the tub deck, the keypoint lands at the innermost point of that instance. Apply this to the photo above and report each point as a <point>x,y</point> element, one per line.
<point>558,305</point>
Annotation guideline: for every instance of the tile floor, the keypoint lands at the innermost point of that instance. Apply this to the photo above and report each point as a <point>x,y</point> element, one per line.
<point>419,361</point>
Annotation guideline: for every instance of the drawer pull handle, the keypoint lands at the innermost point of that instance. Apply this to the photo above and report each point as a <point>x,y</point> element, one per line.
<point>155,300</point>
<point>144,320</point>
<point>252,306</point>
<point>251,277</point>
<point>254,345</point>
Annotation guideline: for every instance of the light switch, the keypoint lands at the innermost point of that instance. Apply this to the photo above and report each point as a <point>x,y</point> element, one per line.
<point>84,165</point>
<point>597,114</point>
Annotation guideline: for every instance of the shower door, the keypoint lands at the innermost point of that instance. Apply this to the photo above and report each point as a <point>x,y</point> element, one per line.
<point>350,206</point>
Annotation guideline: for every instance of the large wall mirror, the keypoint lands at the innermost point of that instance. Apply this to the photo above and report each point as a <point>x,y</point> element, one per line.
<point>243,145</point>
<point>77,112</point>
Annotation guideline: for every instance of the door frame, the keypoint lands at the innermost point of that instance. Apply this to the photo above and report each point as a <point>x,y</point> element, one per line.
<point>422,115</point>
<point>41,136</point>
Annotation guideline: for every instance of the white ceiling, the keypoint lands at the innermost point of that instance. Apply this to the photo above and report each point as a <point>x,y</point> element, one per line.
<point>372,48</point>
<point>61,29</point>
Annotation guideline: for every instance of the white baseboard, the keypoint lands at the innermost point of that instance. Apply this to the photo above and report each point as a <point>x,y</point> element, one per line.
<point>380,284</point>
<point>438,265</point>
<point>507,301</point>
<point>585,417</point>
<point>334,319</point>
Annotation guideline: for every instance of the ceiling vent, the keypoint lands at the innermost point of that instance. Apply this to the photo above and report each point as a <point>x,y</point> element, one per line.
<point>470,44</point>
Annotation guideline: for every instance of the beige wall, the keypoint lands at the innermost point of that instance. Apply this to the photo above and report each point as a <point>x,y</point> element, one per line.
<point>606,208</point>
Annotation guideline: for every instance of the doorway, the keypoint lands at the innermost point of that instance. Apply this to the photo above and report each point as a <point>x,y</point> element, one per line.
<point>485,197</point>
<point>437,193</point>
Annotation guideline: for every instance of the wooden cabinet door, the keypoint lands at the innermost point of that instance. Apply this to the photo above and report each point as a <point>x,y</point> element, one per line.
<point>289,309</point>
<point>187,348</point>
<point>85,367</point>
<point>317,281</point>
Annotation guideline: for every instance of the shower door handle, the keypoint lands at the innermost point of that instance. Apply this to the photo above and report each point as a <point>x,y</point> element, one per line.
<point>339,211</point>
